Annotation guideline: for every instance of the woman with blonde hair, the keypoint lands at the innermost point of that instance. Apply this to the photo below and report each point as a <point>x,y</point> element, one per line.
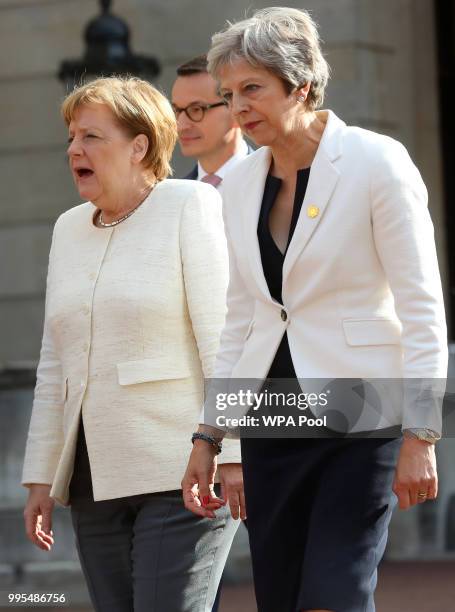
<point>333,279</point>
<point>134,306</point>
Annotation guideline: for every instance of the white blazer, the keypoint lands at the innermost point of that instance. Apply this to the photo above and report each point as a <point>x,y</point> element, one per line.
<point>361,287</point>
<point>132,325</point>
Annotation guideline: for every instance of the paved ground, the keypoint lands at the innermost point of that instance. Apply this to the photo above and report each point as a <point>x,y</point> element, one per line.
<point>403,587</point>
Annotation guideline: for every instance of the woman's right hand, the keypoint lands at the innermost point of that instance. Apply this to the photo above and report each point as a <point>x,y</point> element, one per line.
<point>198,482</point>
<point>38,516</point>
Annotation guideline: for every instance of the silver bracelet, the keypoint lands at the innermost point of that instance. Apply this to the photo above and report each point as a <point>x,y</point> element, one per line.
<point>207,438</point>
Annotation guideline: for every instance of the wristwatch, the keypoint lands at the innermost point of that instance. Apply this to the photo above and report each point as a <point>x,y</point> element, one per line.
<point>427,435</point>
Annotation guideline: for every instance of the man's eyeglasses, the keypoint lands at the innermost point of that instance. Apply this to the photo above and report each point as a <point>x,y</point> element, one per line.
<point>196,112</point>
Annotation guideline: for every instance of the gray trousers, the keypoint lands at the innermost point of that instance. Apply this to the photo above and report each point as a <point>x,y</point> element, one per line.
<point>147,553</point>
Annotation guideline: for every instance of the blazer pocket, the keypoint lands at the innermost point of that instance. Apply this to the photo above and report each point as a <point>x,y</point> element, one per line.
<point>148,370</point>
<point>369,332</point>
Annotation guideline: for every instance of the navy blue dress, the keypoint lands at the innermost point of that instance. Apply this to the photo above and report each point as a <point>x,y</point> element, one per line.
<point>318,508</point>
<point>272,259</point>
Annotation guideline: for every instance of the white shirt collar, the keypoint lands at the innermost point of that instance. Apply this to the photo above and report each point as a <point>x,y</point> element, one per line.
<point>221,172</point>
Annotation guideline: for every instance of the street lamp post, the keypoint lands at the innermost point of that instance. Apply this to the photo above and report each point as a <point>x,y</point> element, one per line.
<point>107,52</point>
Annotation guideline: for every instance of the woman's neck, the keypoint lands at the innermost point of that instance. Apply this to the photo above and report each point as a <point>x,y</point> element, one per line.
<point>297,148</point>
<point>113,210</point>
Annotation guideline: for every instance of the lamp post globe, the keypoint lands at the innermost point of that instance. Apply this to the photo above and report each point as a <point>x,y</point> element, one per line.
<point>107,53</point>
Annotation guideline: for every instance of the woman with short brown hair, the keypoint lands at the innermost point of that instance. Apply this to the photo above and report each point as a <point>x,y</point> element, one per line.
<point>134,305</point>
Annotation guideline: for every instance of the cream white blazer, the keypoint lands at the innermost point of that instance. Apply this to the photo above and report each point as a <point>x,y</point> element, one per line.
<point>361,287</point>
<point>132,324</point>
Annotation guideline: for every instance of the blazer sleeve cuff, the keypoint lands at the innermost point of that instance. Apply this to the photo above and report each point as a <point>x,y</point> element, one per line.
<point>423,400</point>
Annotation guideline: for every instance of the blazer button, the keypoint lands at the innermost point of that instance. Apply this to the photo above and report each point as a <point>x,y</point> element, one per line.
<point>284,315</point>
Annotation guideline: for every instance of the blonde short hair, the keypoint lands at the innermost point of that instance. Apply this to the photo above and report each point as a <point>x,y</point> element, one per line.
<point>282,40</point>
<point>139,108</point>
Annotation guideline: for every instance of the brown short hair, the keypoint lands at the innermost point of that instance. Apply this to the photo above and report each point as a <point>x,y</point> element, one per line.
<point>197,65</point>
<point>139,108</point>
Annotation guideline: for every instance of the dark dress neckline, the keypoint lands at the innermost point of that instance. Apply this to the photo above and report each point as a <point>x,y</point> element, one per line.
<point>272,258</point>
<point>273,183</point>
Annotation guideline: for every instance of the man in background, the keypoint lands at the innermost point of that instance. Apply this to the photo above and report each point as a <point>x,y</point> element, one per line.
<point>207,132</point>
<point>206,128</point>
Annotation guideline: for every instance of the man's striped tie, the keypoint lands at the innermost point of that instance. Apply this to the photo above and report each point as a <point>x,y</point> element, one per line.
<point>211,179</point>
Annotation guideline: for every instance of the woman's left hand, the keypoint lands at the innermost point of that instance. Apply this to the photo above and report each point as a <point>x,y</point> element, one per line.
<point>231,479</point>
<point>416,478</point>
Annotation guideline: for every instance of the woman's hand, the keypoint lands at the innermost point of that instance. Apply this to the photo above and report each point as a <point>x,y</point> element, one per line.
<point>415,473</point>
<point>199,479</point>
<point>231,478</point>
<point>38,516</point>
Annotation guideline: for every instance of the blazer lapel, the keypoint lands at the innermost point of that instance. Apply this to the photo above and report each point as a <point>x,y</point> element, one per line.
<point>321,185</point>
<point>255,182</point>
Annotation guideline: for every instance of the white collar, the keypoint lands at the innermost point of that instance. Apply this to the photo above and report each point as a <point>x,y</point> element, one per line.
<point>221,172</point>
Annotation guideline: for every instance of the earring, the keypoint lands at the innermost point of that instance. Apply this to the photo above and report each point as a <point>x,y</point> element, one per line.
<point>301,98</point>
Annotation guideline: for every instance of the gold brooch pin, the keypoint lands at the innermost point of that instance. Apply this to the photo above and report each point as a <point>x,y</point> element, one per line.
<point>312,211</point>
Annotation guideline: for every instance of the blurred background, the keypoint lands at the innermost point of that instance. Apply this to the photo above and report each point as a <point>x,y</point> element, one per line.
<point>393,71</point>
